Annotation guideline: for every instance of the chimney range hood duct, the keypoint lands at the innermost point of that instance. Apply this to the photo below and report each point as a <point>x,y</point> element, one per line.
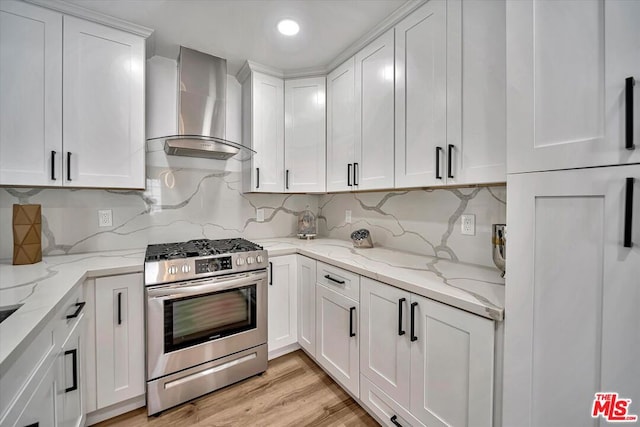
<point>202,92</point>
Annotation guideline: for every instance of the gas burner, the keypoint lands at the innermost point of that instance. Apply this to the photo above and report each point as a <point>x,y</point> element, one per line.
<point>198,248</point>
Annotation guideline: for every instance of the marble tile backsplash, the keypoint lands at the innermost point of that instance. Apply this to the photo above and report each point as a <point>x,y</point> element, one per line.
<point>426,222</point>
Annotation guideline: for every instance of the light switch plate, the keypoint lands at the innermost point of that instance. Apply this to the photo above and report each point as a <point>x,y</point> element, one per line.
<point>260,214</point>
<point>468,224</point>
<point>105,218</point>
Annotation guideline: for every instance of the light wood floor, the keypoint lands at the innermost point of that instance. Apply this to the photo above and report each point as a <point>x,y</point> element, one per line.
<point>293,391</point>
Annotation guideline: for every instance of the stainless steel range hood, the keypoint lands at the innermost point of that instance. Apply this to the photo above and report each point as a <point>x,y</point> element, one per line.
<point>202,93</point>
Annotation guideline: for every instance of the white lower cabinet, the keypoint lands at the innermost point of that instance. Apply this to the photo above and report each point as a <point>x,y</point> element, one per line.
<point>307,304</point>
<point>119,338</point>
<point>70,379</point>
<point>282,297</point>
<point>337,336</point>
<point>40,409</point>
<point>388,411</point>
<point>431,360</point>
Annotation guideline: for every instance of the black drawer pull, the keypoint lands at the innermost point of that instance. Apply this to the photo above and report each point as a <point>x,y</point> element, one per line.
<point>53,165</point>
<point>257,177</point>
<point>340,282</point>
<point>628,212</point>
<point>286,179</point>
<point>74,358</point>
<point>438,150</point>
<point>270,273</point>
<point>449,162</point>
<point>349,175</point>
<point>33,425</point>
<point>401,302</point>
<point>119,308</point>
<point>413,321</point>
<point>351,311</point>
<point>68,165</point>
<point>629,83</point>
<point>355,174</point>
<point>79,307</point>
<point>395,422</point>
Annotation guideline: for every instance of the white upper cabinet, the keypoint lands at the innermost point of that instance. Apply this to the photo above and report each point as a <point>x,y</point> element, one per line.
<point>567,65</point>
<point>374,94</point>
<point>263,131</point>
<point>72,105</point>
<point>341,127</point>
<point>421,95</point>
<point>304,139</point>
<point>31,100</point>
<point>103,108</point>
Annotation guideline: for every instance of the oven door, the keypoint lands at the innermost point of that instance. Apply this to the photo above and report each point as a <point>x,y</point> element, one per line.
<point>193,322</point>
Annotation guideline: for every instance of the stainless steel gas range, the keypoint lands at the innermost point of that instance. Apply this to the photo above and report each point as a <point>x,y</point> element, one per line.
<point>206,317</point>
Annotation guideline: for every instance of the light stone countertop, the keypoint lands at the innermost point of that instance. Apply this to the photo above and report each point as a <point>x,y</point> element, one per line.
<point>43,287</point>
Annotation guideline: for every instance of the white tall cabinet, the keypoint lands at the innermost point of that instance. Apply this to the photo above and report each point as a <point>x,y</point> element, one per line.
<point>307,304</point>
<point>282,304</point>
<point>304,135</point>
<point>567,64</point>
<point>573,294</point>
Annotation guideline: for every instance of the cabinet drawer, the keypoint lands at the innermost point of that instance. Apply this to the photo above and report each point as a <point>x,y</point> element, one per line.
<point>385,408</point>
<point>342,281</point>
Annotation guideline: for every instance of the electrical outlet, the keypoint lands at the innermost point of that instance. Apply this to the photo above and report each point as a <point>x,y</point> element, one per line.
<point>347,216</point>
<point>105,218</point>
<point>468,225</point>
<point>260,214</point>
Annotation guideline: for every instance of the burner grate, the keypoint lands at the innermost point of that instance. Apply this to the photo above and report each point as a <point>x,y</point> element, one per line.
<point>197,248</point>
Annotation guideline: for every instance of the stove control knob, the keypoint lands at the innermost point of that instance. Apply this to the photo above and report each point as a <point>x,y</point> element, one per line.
<point>240,261</point>
<point>173,269</point>
<point>259,259</point>
<point>250,260</point>
<point>186,268</point>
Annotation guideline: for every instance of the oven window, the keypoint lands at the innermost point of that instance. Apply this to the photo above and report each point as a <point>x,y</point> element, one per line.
<point>193,320</point>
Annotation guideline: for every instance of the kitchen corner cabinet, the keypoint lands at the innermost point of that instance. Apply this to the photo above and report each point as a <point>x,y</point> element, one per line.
<point>72,105</point>
<point>119,339</point>
<point>307,304</point>
<point>282,304</point>
<point>263,131</point>
<point>338,325</point>
<point>569,92</point>
<point>450,95</point>
<point>572,324</point>
<point>304,135</point>
<point>341,127</point>
<point>425,359</point>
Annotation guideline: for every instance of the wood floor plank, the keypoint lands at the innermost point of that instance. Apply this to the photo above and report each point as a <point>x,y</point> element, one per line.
<point>293,391</point>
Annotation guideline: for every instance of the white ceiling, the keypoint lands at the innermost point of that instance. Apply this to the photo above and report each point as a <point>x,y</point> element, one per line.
<point>246,29</point>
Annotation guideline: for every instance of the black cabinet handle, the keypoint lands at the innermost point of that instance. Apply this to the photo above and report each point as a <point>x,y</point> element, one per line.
<point>33,425</point>
<point>119,308</point>
<point>351,311</point>
<point>628,212</point>
<point>257,177</point>
<point>74,358</point>
<point>79,307</point>
<point>449,162</point>
<point>349,175</point>
<point>629,83</point>
<point>270,273</point>
<point>438,150</point>
<point>355,174</point>
<point>53,165</point>
<point>401,302</point>
<point>413,321</point>
<point>341,282</point>
<point>286,179</point>
<point>395,422</point>
<point>68,165</point>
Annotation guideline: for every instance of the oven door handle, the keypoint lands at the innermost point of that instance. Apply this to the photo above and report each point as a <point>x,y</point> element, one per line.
<point>180,291</point>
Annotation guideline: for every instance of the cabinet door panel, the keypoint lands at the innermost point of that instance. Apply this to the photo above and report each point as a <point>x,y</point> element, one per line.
<point>307,304</point>
<point>421,94</point>
<point>305,141</point>
<point>375,114</point>
<point>336,349</point>
<point>70,381</point>
<point>451,366</point>
<point>385,354</point>
<point>341,126</point>
<point>119,338</point>
<point>31,101</point>
<point>103,106</point>
<point>41,407</point>
<point>282,300</point>
<point>566,67</point>
<point>572,294</point>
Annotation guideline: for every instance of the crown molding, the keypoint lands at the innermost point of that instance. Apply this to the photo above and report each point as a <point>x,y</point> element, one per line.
<point>251,66</point>
<point>306,72</point>
<point>100,18</point>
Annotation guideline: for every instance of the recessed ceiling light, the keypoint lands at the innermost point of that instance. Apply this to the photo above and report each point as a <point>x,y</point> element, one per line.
<point>288,27</point>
